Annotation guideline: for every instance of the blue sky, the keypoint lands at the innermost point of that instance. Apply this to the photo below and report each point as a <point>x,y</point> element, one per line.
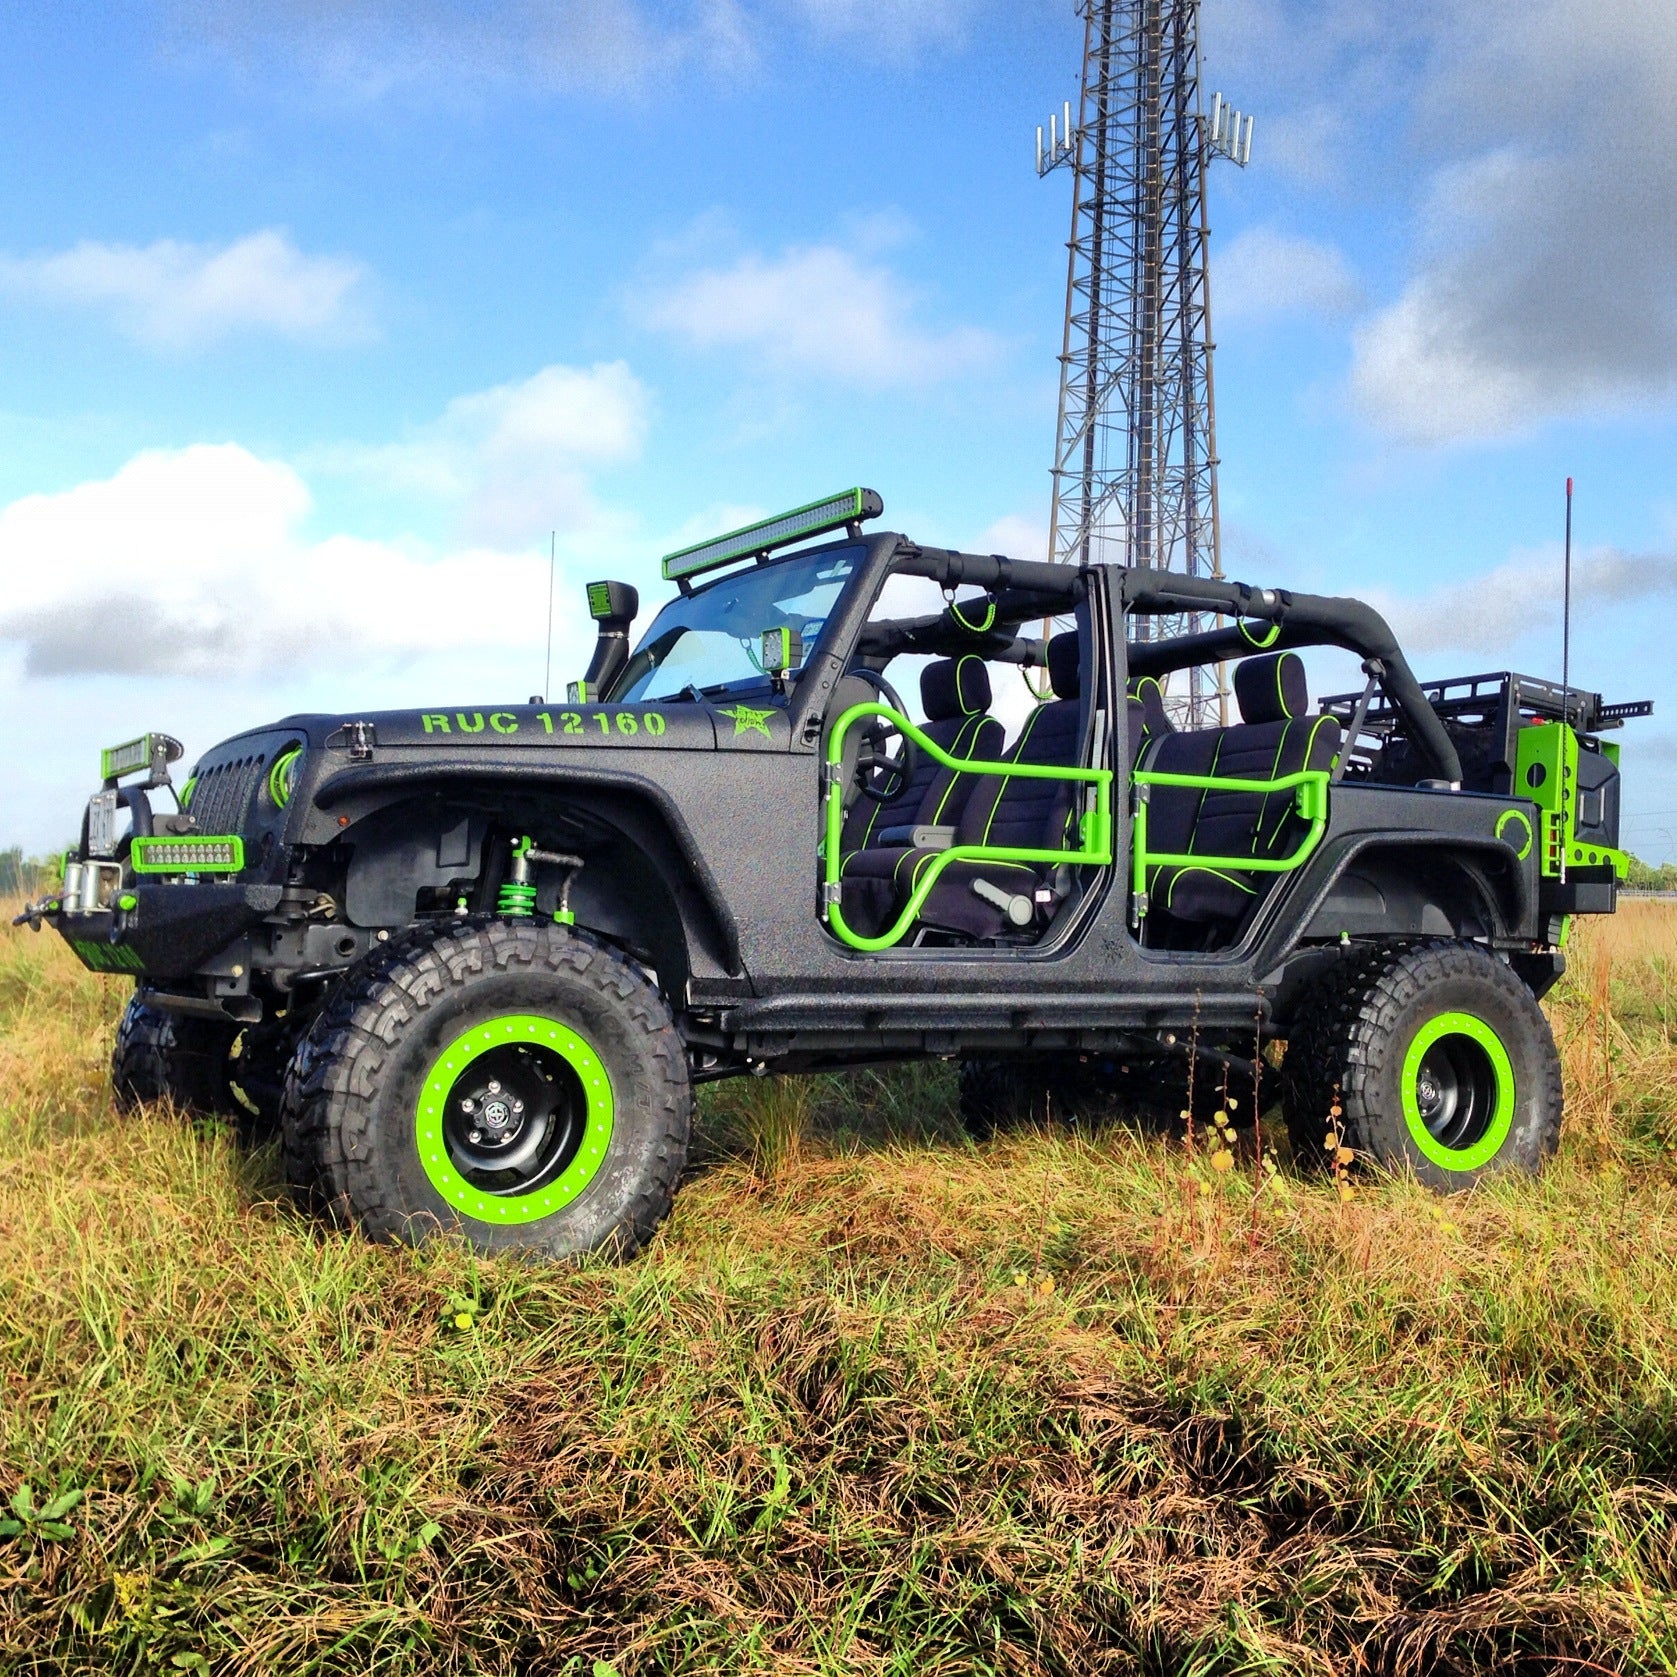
<point>316,319</point>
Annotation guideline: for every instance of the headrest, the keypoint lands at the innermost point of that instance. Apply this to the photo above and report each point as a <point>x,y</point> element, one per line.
<point>1063,659</point>
<point>1271,689</point>
<point>954,687</point>
<point>1147,692</point>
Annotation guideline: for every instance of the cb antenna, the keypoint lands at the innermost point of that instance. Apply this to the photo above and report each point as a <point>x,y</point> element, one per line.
<point>1566,647</point>
<point>552,550</point>
<point>1566,612</point>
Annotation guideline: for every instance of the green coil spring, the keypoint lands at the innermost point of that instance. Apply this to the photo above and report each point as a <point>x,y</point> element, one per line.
<point>516,901</point>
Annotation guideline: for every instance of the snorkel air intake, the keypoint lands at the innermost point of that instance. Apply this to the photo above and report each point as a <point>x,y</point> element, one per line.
<point>613,606</point>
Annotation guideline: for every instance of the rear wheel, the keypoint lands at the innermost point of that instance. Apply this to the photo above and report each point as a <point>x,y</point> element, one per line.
<point>1437,1058</point>
<point>520,1084</point>
<point>163,1056</point>
<point>1005,1094</point>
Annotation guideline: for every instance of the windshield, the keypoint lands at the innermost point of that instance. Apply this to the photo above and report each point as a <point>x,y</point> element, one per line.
<point>712,638</point>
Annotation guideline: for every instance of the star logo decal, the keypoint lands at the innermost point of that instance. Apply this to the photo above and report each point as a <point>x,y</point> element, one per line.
<point>748,721</point>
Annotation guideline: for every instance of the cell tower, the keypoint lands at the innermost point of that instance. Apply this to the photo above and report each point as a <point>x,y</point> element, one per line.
<point>1135,464</point>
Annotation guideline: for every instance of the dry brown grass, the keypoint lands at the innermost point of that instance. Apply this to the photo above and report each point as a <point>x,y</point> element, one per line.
<point>875,1401</point>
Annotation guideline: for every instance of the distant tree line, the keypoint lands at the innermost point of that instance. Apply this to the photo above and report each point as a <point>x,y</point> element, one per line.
<point>1644,877</point>
<point>27,876</point>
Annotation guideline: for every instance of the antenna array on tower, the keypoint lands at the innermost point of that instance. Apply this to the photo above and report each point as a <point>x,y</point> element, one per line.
<point>1135,461</point>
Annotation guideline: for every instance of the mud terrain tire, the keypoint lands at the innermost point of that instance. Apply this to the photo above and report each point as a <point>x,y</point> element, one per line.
<point>398,1115</point>
<point>1438,1057</point>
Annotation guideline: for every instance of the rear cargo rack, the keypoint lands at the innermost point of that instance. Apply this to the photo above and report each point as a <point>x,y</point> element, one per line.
<point>1481,699</point>
<point>1493,706</point>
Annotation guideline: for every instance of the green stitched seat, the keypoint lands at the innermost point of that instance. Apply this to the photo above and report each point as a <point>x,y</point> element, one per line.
<point>1275,737</point>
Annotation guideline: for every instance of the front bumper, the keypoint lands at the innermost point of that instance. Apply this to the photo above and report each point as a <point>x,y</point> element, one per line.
<point>173,931</point>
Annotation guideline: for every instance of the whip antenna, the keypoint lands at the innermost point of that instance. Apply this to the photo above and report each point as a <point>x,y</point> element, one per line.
<point>1566,605</point>
<point>1566,638</point>
<point>552,550</point>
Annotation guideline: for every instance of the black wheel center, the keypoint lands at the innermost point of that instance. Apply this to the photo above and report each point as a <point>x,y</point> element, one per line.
<point>514,1119</point>
<point>1456,1091</point>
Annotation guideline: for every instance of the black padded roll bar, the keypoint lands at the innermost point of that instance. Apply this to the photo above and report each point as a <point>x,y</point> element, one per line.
<point>1300,620</point>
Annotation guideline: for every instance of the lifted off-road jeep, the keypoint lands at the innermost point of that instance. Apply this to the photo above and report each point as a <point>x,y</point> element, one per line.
<point>471,960</point>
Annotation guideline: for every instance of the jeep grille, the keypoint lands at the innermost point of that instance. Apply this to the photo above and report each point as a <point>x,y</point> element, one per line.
<point>222,797</point>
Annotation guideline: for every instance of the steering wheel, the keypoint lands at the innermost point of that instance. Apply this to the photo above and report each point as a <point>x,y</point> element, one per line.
<point>880,775</point>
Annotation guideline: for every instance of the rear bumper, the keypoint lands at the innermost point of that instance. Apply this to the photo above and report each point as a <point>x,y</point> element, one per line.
<point>1584,891</point>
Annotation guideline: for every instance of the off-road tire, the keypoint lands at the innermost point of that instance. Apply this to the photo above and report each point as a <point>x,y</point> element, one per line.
<point>351,1113</point>
<point>171,1057</point>
<point>1364,1026</point>
<point>1004,1094</point>
<point>1154,1093</point>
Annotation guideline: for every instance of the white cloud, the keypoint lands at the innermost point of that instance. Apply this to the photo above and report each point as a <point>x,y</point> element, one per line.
<point>196,563</point>
<point>1489,614</point>
<point>1262,273</point>
<point>1014,537</point>
<point>451,50</point>
<point>1546,279</point>
<point>895,26</point>
<point>515,459</point>
<point>172,295</point>
<point>186,592</point>
<point>817,309</point>
<point>191,590</point>
<point>1524,143</point>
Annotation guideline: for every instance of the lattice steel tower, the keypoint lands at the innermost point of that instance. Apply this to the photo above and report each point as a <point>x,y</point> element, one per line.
<point>1135,464</point>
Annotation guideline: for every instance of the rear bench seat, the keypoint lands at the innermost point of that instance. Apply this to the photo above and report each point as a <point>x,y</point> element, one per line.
<point>1276,736</point>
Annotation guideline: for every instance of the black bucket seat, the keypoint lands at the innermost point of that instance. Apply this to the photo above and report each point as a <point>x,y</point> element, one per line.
<point>1001,810</point>
<point>955,695</point>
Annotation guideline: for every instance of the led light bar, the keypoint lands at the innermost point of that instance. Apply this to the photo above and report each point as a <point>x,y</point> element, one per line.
<point>147,751</point>
<point>125,759</point>
<point>816,519</point>
<point>222,854</point>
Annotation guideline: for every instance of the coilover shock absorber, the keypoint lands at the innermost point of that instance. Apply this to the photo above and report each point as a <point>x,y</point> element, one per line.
<point>517,899</point>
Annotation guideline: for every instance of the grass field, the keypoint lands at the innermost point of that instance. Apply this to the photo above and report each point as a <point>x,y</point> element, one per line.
<point>875,1401</point>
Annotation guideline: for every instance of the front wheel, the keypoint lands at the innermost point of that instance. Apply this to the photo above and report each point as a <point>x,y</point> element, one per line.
<point>1438,1060</point>
<point>164,1056</point>
<point>518,1083</point>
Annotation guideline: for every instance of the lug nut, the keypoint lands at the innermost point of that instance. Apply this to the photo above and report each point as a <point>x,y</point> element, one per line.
<point>466,1106</point>
<point>518,1106</point>
<point>476,1135</point>
<point>494,1087</point>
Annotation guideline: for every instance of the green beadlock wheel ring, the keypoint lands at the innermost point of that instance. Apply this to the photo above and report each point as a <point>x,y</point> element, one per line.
<point>1489,1144</point>
<point>514,1030</point>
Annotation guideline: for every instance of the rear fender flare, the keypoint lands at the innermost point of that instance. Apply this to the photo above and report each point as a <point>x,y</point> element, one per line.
<point>1399,887</point>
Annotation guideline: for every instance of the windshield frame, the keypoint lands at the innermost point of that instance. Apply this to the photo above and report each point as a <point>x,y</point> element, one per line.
<point>689,604</point>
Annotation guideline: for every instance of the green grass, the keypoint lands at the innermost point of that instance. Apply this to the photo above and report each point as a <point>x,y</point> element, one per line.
<point>875,1401</point>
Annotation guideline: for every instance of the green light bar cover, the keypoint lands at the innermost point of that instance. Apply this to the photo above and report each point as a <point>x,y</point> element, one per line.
<point>836,511</point>
<point>223,853</point>
<point>134,755</point>
<point>126,758</point>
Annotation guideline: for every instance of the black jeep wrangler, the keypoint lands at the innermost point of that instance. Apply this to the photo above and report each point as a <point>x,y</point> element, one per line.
<point>472,960</point>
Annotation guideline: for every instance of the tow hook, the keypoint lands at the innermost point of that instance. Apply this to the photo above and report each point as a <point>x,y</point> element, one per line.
<point>122,916</point>
<point>35,913</point>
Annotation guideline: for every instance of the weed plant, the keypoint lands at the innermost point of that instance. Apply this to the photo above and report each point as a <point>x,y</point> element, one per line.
<point>1076,1401</point>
